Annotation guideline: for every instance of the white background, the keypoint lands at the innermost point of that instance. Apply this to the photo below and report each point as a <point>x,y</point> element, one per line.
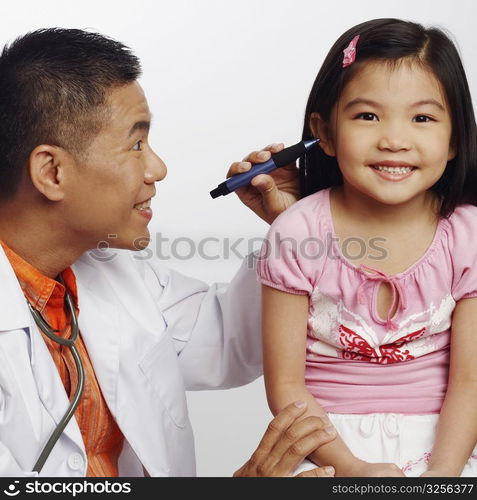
<point>224,78</point>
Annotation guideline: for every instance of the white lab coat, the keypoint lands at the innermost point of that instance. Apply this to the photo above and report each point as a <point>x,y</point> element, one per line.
<point>151,333</point>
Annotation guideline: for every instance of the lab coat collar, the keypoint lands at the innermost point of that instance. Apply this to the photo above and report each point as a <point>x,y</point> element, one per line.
<point>15,314</point>
<point>120,278</point>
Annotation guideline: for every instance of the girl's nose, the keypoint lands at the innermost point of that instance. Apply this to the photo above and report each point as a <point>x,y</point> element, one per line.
<point>394,138</point>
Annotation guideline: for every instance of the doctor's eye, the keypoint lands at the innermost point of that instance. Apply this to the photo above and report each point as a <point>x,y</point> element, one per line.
<point>137,146</point>
<point>367,116</point>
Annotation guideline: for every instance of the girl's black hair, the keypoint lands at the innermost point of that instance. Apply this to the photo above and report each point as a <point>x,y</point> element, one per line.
<point>391,40</point>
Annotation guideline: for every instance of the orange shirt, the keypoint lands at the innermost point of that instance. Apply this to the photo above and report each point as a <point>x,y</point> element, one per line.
<point>102,437</point>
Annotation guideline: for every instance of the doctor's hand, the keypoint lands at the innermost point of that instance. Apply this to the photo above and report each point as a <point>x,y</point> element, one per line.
<point>268,195</point>
<point>286,443</point>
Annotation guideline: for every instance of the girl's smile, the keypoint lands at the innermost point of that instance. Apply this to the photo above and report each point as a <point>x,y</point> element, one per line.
<point>390,132</point>
<point>393,170</point>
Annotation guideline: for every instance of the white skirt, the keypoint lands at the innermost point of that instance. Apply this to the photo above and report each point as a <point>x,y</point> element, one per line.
<point>405,440</point>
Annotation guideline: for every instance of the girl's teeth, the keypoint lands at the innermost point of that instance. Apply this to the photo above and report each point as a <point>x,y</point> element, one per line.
<point>393,170</point>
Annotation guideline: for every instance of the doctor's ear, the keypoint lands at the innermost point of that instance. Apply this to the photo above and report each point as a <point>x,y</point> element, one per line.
<point>321,129</point>
<point>47,165</point>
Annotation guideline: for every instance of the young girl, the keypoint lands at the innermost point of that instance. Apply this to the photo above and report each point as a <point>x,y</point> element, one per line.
<point>370,281</point>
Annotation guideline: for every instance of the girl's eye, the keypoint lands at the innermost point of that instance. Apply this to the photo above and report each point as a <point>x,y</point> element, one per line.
<point>423,119</point>
<point>367,116</point>
<point>137,146</point>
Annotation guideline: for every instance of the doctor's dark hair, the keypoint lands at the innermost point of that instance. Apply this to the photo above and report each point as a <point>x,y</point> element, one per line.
<point>53,90</point>
<point>394,41</point>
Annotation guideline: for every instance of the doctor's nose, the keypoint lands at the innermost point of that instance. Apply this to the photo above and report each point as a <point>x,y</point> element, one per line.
<point>155,170</point>
<point>394,139</point>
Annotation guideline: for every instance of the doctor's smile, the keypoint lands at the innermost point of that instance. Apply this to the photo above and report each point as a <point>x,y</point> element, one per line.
<point>144,208</point>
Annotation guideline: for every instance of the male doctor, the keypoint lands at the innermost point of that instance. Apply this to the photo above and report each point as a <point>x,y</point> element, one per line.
<point>96,354</point>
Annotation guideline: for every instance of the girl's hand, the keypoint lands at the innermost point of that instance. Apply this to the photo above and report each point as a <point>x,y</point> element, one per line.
<point>268,195</point>
<point>431,473</point>
<point>368,469</point>
<point>438,473</point>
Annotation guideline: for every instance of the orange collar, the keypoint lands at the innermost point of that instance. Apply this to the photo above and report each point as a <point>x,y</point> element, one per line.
<point>38,288</point>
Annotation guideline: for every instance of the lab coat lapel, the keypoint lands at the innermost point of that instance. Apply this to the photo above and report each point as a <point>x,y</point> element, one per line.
<point>15,316</point>
<point>100,329</point>
<point>50,387</point>
<point>120,324</point>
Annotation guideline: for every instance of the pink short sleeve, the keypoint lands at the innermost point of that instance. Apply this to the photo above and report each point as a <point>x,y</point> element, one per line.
<point>463,246</point>
<point>291,257</point>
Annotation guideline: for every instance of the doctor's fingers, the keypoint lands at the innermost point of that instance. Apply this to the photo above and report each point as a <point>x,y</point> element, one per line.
<point>282,463</point>
<point>282,421</point>
<point>296,443</point>
<point>264,154</point>
<point>285,444</point>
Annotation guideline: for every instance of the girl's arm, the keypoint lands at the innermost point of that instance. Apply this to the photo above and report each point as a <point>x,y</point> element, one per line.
<point>457,427</point>
<point>284,326</point>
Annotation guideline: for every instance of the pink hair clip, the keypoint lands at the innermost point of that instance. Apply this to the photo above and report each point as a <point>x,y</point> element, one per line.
<point>350,52</point>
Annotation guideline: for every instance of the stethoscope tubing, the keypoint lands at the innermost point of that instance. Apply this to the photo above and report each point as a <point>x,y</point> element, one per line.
<point>70,343</point>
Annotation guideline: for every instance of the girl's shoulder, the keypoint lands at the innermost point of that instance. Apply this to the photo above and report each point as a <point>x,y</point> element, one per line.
<point>292,256</point>
<point>461,225</point>
<point>308,214</point>
<point>461,249</point>
<point>312,203</point>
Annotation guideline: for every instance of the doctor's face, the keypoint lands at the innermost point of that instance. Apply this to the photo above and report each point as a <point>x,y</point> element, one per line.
<point>112,186</point>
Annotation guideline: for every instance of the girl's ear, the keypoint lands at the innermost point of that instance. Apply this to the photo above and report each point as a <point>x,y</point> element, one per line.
<point>452,151</point>
<point>321,130</point>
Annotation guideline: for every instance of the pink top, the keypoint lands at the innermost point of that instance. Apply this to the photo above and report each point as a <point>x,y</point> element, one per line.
<point>357,362</point>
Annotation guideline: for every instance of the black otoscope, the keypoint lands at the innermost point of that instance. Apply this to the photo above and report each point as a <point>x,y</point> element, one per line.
<point>277,160</point>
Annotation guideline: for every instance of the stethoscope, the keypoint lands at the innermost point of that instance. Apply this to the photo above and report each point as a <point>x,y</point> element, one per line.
<point>70,342</point>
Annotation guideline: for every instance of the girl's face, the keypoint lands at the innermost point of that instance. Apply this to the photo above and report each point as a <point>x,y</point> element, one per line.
<point>390,132</point>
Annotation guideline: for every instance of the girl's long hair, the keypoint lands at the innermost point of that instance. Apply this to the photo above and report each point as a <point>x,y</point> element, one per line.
<point>391,41</point>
